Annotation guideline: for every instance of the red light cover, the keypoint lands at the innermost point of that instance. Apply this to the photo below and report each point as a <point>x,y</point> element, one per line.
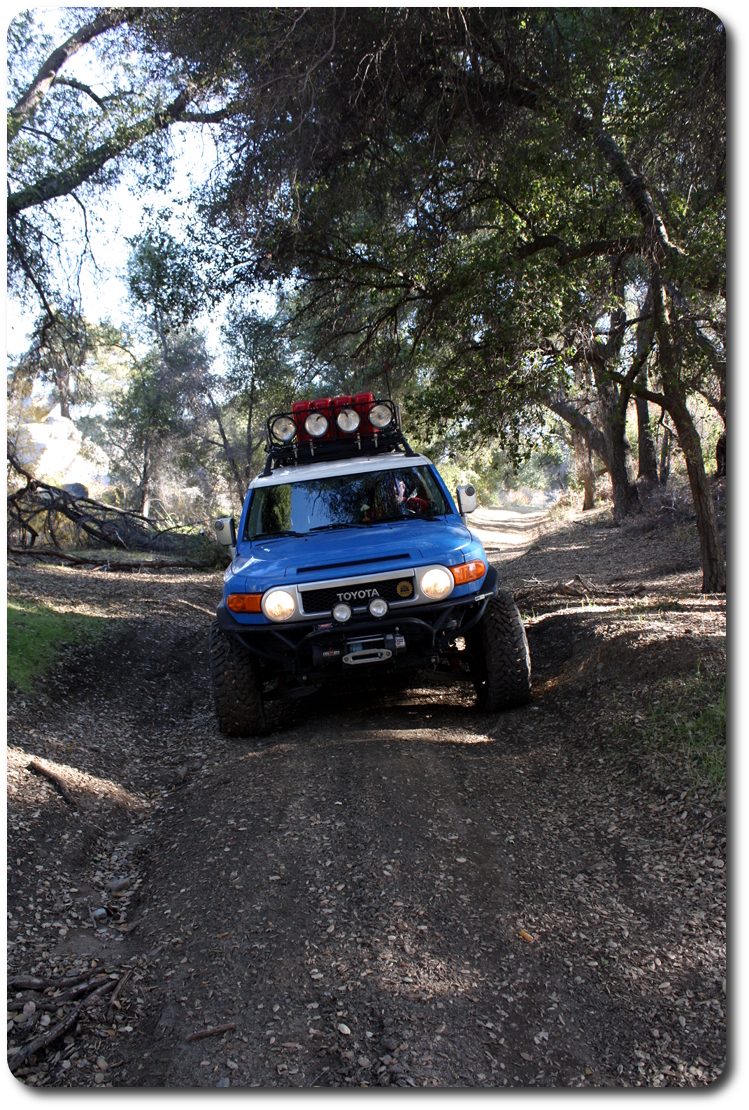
<point>325,406</point>
<point>339,403</point>
<point>330,407</point>
<point>363,403</point>
<point>299,410</point>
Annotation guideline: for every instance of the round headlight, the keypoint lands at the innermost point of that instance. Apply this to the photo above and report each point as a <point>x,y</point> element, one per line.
<point>342,612</point>
<point>283,429</point>
<point>378,607</point>
<point>348,420</point>
<point>316,425</point>
<point>279,605</point>
<point>436,583</point>
<point>380,416</point>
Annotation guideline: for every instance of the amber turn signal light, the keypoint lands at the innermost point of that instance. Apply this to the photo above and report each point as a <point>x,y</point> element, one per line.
<point>468,572</point>
<point>244,603</point>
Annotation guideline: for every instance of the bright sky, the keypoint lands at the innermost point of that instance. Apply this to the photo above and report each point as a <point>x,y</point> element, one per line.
<point>117,216</point>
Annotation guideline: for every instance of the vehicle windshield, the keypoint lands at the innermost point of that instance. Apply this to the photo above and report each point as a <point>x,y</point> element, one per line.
<point>344,501</point>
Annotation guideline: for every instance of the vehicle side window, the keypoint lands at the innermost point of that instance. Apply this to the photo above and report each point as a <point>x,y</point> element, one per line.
<point>270,512</point>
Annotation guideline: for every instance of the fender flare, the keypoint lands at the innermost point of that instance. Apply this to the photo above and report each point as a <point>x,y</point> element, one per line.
<point>491,581</point>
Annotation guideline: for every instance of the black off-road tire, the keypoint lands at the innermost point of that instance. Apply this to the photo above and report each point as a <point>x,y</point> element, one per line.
<point>236,689</point>
<point>500,659</point>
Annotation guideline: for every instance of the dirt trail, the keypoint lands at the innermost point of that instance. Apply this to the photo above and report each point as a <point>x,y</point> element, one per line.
<point>390,888</point>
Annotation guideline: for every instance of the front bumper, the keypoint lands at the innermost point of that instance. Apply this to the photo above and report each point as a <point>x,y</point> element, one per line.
<point>408,638</point>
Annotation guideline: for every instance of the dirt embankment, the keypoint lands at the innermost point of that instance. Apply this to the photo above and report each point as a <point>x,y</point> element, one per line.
<point>390,888</point>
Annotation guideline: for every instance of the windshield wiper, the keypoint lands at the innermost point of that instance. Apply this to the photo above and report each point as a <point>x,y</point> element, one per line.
<point>333,527</point>
<point>397,519</point>
<point>275,535</point>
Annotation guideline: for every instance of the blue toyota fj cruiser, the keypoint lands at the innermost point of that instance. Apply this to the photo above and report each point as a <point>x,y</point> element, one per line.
<point>350,553</point>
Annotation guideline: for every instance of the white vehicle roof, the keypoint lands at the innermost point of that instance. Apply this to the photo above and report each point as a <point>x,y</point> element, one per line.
<point>286,475</point>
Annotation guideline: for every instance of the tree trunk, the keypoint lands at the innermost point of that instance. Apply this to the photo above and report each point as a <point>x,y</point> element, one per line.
<point>227,448</point>
<point>62,386</point>
<point>720,457</point>
<point>626,496</point>
<point>144,499</point>
<point>611,446</point>
<point>624,489</point>
<point>249,450</point>
<point>711,549</point>
<point>648,466</point>
<point>674,395</point>
<point>585,472</point>
<point>665,457</point>
<point>613,402</point>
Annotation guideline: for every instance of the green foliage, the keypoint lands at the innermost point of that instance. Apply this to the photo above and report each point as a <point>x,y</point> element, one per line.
<point>36,636</point>
<point>74,138</point>
<point>59,356</point>
<point>164,277</point>
<point>687,717</point>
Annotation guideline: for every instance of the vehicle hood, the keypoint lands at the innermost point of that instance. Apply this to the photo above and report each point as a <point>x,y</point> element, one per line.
<point>349,552</point>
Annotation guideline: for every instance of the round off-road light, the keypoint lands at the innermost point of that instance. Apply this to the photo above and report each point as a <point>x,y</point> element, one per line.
<point>378,607</point>
<point>380,416</point>
<point>283,429</point>
<point>279,605</point>
<point>316,425</point>
<point>436,583</point>
<point>342,612</point>
<point>348,420</point>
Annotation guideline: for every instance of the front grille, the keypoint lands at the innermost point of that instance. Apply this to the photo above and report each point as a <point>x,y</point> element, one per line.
<point>357,594</point>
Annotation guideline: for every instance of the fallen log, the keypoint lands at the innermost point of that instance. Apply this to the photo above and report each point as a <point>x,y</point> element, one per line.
<point>77,991</point>
<point>105,988</point>
<point>46,1039</point>
<point>56,780</point>
<point>33,983</point>
<point>36,508</point>
<point>78,560</point>
<point>113,1000</point>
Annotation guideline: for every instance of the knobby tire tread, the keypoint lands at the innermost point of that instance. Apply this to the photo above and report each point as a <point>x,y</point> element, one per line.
<point>236,690</point>
<point>502,668</point>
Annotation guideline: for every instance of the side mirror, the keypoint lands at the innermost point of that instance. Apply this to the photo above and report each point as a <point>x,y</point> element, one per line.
<point>467,500</point>
<point>226,531</point>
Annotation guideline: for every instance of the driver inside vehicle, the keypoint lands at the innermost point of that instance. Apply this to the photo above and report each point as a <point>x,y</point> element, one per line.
<point>389,498</point>
<point>384,499</point>
<point>418,499</point>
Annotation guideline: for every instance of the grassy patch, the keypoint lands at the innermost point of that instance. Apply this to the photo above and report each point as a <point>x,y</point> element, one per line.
<point>36,635</point>
<point>686,718</point>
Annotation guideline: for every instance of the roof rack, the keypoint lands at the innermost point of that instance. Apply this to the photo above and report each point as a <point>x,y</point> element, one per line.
<point>304,449</point>
<point>302,454</point>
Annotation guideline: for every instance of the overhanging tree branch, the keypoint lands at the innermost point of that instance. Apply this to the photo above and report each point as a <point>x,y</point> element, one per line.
<point>609,248</point>
<point>593,437</point>
<point>637,193</point>
<point>62,183</point>
<point>71,83</point>
<point>26,107</point>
